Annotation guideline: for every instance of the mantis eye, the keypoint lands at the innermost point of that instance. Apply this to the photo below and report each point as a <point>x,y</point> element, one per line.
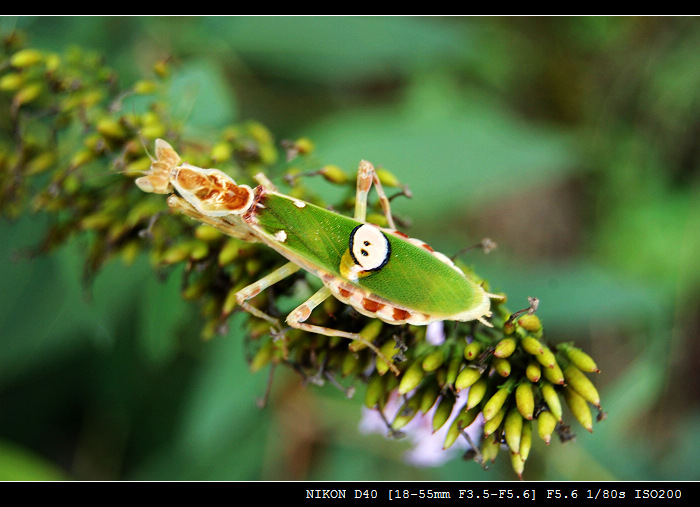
<point>369,247</point>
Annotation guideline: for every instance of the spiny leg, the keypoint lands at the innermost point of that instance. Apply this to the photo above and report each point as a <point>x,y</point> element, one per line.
<point>252,290</point>
<point>366,174</point>
<point>303,311</point>
<point>224,224</point>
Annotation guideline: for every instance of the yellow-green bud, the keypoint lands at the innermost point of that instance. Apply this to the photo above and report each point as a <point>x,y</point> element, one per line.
<point>477,392</point>
<point>492,424</point>
<point>375,392</point>
<point>388,349</point>
<point>494,404</point>
<point>334,174</point>
<point>513,428</point>
<point>11,82</point>
<point>221,152</point>
<point>551,398</point>
<point>466,378</point>
<point>532,345</point>
<point>387,178</point>
<point>554,375</point>
<point>453,368</point>
<point>145,86</point>
<point>533,371</point>
<point>526,440</point>
<point>407,412</point>
<point>546,358</point>
<point>530,322</point>
<point>583,361</point>
<point>26,58</point>
<point>109,127</point>
<point>546,422</point>
<point>505,347</point>
<point>518,464</point>
<point>411,378</point>
<point>578,381</point>
<point>525,399</point>
<point>429,396</point>
<point>472,350</point>
<point>26,94</point>
<point>463,420</point>
<point>434,360</point>
<point>262,357</point>
<point>489,449</point>
<point>229,252</point>
<point>443,411</point>
<point>502,366</point>
<point>351,363</point>
<point>579,408</point>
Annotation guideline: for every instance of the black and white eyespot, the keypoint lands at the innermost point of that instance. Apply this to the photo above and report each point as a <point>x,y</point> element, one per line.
<point>369,247</point>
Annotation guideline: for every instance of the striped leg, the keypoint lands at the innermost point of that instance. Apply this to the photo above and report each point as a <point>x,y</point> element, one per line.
<point>252,290</point>
<point>366,174</point>
<point>302,312</point>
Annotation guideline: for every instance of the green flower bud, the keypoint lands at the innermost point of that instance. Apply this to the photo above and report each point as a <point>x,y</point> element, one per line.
<point>472,350</point>
<point>375,392</point>
<point>546,423</point>
<point>467,377</point>
<point>526,440</point>
<point>492,425</point>
<point>221,152</point>
<point>387,178</point>
<point>525,399</point>
<point>26,58</point>
<point>411,378</point>
<point>533,371</point>
<point>578,381</point>
<point>551,398</point>
<point>27,94</point>
<point>453,368</point>
<point>505,347</point>
<point>388,349</point>
<point>229,252</point>
<point>518,464</point>
<point>429,395</point>
<point>530,322</point>
<point>489,449</point>
<point>263,356</point>
<point>495,403</point>
<point>477,392</point>
<point>502,366</point>
<point>434,360</point>
<point>407,412</point>
<point>513,428</point>
<point>443,410</point>
<point>334,174</point>
<point>546,358</point>
<point>579,408</point>
<point>350,364</point>
<point>554,374</point>
<point>145,86</point>
<point>11,82</point>
<point>463,420</point>
<point>583,361</point>
<point>109,127</point>
<point>532,345</point>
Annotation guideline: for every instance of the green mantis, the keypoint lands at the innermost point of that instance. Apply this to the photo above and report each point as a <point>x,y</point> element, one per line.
<point>380,272</point>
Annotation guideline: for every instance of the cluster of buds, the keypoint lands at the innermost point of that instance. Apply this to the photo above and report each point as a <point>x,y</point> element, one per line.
<point>71,150</point>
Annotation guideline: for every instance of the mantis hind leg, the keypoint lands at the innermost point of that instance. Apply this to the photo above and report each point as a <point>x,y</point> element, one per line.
<point>297,317</point>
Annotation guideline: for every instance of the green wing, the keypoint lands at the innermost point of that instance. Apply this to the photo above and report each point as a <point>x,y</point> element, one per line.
<point>413,277</point>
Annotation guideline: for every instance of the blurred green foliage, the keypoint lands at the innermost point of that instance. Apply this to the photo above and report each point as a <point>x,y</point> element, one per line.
<point>572,142</point>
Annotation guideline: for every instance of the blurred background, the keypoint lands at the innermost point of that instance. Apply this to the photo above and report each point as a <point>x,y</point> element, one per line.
<point>571,142</point>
